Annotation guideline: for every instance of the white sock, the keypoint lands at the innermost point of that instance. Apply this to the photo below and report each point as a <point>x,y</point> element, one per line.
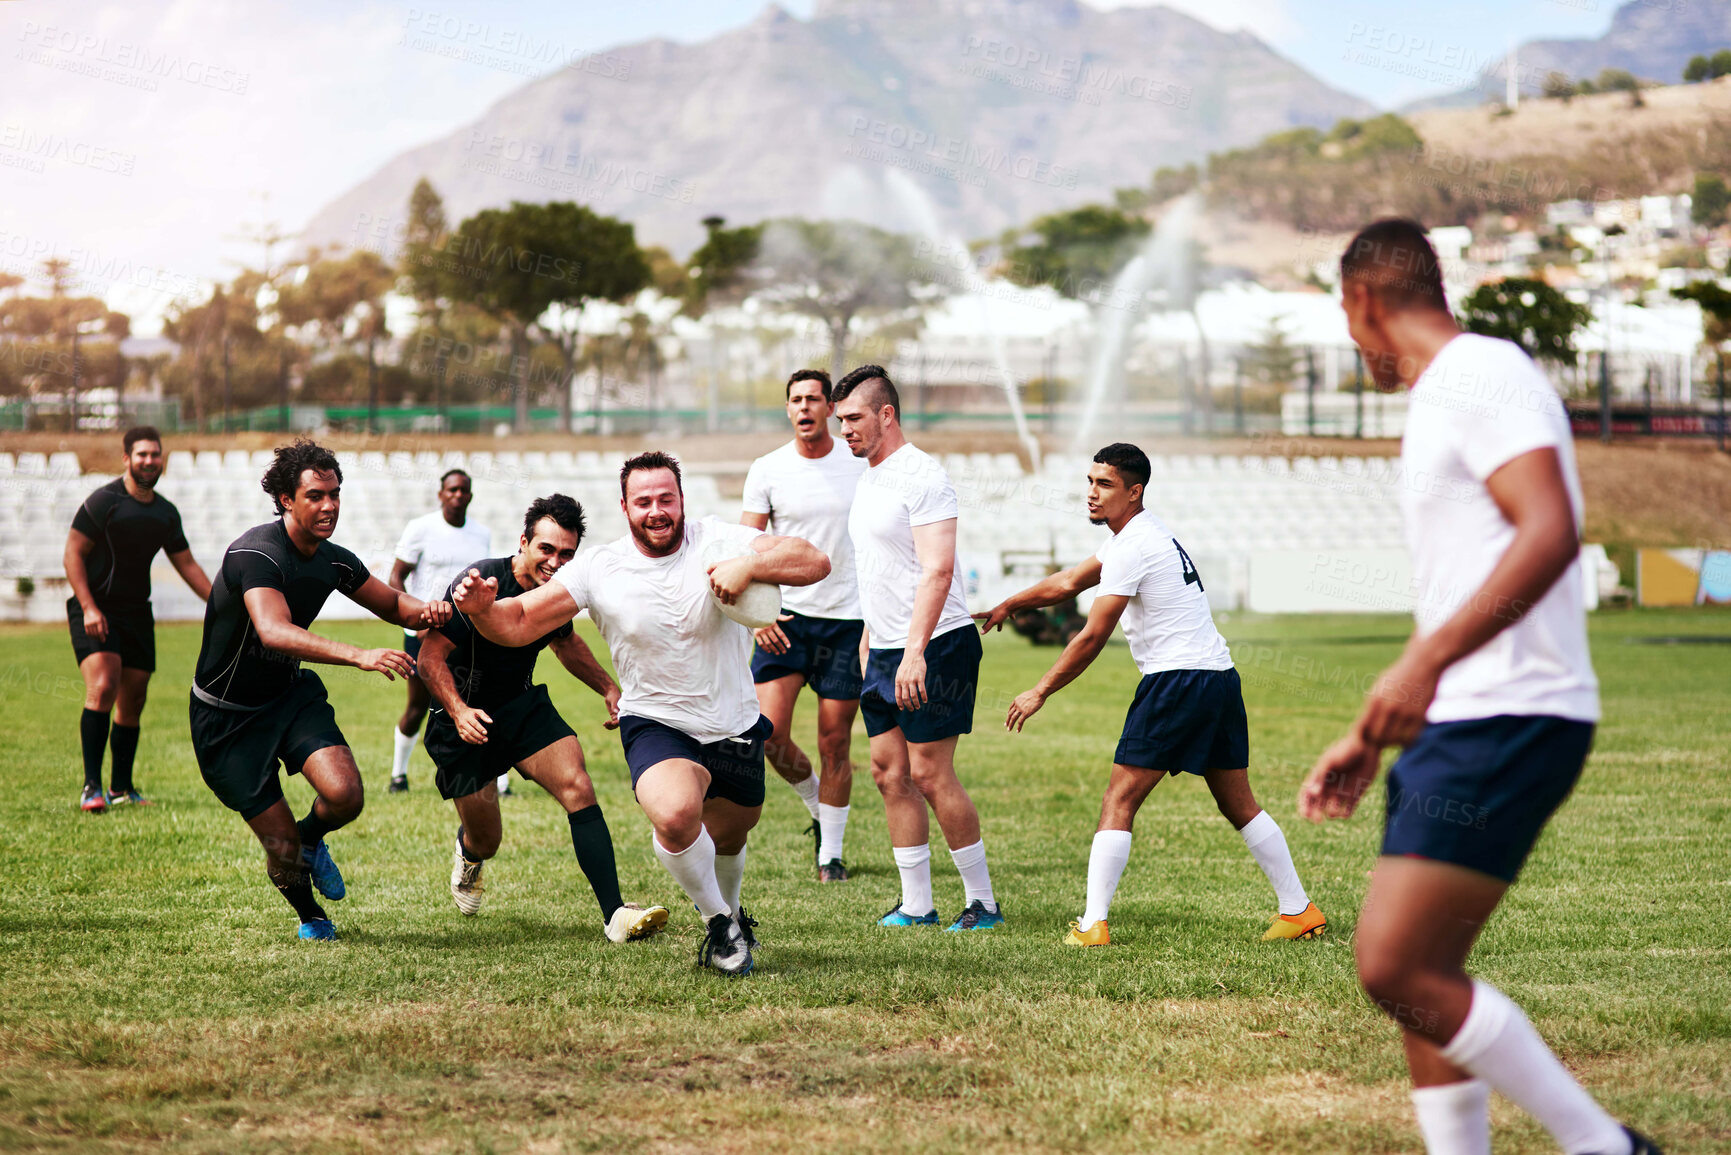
<point>730,876</point>
<point>402,745</point>
<point>807,792</point>
<point>1498,1044</point>
<point>915,864</point>
<point>504,782</point>
<point>1106,863</point>
<point>832,825</point>
<point>1262,835</point>
<point>694,870</point>
<point>1455,1118</point>
<point>976,878</point>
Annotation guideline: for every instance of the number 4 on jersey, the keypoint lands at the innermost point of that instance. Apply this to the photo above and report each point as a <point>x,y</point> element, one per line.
<point>1191,577</point>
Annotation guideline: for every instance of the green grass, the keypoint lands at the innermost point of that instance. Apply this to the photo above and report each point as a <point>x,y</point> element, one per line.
<point>154,995</point>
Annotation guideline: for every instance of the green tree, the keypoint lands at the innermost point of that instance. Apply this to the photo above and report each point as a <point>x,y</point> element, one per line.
<point>1558,86</point>
<point>837,272</point>
<point>1077,251</point>
<point>1698,69</point>
<point>343,299</point>
<point>718,270</point>
<point>1710,201</point>
<point>1715,302</point>
<point>1721,63</point>
<point>1528,312</point>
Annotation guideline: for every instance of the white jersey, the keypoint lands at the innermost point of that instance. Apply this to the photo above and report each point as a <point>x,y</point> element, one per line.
<point>680,660</point>
<point>810,498</point>
<point>906,490</point>
<point>439,550</point>
<point>1167,620</point>
<point>1481,403</point>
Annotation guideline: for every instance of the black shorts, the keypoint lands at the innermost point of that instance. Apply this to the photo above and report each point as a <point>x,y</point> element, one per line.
<point>131,634</point>
<point>1186,722</point>
<point>952,676</point>
<point>735,765</point>
<point>238,750</point>
<point>1478,793</point>
<point>824,651</point>
<point>522,727</point>
<point>412,645</point>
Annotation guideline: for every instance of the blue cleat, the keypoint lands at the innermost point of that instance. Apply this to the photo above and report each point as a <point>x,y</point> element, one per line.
<point>319,930</point>
<point>327,879</point>
<point>977,917</point>
<point>899,917</point>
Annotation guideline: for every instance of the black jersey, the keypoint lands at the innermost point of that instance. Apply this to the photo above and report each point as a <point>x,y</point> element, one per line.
<point>127,533</point>
<point>486,673</point>
<point>234,667</point>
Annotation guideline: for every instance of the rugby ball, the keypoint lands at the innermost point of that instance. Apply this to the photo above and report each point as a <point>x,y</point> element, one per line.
<point>759,605</point>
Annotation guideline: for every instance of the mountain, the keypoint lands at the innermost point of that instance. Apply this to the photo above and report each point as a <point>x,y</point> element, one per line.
<point>998,109</point>
<point>1654,39</point>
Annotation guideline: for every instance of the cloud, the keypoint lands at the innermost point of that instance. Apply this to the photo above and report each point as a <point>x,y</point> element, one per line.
<point>1272,20</point>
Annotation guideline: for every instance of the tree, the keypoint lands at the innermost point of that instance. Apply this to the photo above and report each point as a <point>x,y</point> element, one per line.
<point>837,271</point>
<point>1709,203</point>
<point>717,270</point>
<point>343,298</point>
<point>1715,302</point>
<point>1528,312</point>
<point>1077,251</point>
<point>1272,360</point>
<point>1558,86</point>
<point>1720,63</point>
<point>518,263</point>
<point>1698,69</point>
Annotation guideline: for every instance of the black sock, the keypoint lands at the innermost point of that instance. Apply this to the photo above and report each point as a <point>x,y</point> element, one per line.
<point>295,885</point>
<point>123,741</point>
<point>594,847</point>
<point>93,735</point>
<point>468,855</point>
<point>313,828</point>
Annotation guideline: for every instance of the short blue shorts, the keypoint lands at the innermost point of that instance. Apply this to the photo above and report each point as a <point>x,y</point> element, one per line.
<point>824,651</point>
<point>1186,722</point>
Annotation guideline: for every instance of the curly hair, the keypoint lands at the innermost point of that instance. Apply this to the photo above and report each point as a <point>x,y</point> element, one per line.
<point>284,475</point>
<point>566,513</point>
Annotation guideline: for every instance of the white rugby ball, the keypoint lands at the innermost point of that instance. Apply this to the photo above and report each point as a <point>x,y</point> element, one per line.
<point>759,605</point>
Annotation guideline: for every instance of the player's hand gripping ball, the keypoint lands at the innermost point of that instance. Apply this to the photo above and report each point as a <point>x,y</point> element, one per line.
<point>757,604</point>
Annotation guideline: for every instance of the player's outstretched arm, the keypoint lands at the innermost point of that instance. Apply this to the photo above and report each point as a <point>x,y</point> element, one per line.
<point>1059,587</point>
<point>399,608</point>
<point>435,674</point>
<point>512,621</point>
<point>1531,493</point>
<point>576,656</point>
<point>788,561</point>
<point>1077,656</point>
<point>78,547</point>
<point>191,573</point>
<point>276,630</point>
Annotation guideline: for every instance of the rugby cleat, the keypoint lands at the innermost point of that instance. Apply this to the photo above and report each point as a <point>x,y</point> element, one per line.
<point>317,930</point>
<point>92,801</point>
<point>976,917</point>
<point>631,922</point>
<point>1309,924</point>
<point>466,888</point>
<point>724,948</point>
<point>327,879</point>
<point>128,798</point>
<point>899,917</point>
<point>1096,935</point>
<point>399,784</point>
<point>747,925</point>
<point>832,871</point>
<point>1639,1144</point>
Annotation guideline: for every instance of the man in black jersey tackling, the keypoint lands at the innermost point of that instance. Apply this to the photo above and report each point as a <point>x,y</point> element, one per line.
<point>114,537</point>
<point>254,707</point>
<point>488,716</point>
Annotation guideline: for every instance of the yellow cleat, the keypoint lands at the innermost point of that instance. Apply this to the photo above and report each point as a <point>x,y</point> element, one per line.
<point>1095,935</point>
<point>1310,924</point>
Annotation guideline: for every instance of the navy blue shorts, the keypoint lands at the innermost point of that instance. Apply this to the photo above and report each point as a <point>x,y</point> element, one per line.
<point>1186,722</point>
<point>823,651</point>
<point>952,676</point>
<point>735,765</point>
<point>1477,793</point>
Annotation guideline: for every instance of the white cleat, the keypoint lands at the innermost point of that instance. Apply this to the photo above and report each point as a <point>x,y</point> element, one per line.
<point>631,922</point>
<point>466,888</point>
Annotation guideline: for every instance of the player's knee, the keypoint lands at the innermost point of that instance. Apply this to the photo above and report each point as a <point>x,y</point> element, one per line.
<point>346,800</point>
<point>575,793</point>
<point>890,778</point>
<point>833,749</point>
<point>929,776</point>
<point>481,844</point>
<point>1385,977</point>
<point>100,693</point>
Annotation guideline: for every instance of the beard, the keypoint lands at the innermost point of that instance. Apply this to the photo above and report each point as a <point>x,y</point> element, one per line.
<point>146,480</point>
<point>1097,521</point>
<point>641,533</point>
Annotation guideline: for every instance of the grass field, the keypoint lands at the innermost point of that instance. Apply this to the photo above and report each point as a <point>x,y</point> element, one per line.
<point>154,996</point>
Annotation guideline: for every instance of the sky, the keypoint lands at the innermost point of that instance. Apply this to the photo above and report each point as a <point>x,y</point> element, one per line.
<point>150,141</point>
